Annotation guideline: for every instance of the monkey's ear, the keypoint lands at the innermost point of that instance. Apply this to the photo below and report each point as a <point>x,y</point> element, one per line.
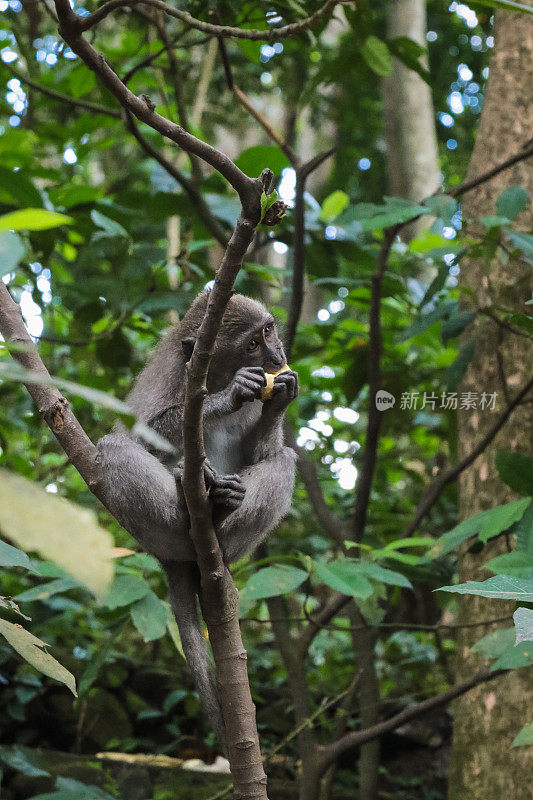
<point>187,345</point>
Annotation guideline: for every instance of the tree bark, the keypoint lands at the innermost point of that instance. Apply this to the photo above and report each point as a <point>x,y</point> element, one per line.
<point>486,719</point>
<point>412,155</point>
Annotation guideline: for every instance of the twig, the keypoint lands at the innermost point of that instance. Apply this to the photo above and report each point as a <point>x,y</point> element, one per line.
<point>368,461</point>
<point>436,488</point>
<point>96,108</point>
<point>331,753</point>
<point>225,31</point>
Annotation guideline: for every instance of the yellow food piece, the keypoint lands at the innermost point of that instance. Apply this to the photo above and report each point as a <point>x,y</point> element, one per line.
<point>266,391</point>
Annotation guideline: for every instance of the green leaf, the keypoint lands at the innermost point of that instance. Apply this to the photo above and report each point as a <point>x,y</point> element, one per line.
<point>500,587</point>
<point>17,759</point>
<point>525,736</point>
<point>454,373</point>
<point>13,557</point>
<point>408,52</point>
<point>443,207</point>
<point>57,529</point>
<point>273,581</point>
<point>377,55</point>
<point>149,616</point>
<point>516,470</point>
<point>515,656</point>
<point>523,530</point>
<point>426,320</point>
<point>512,201</point>
<point>390,576</point>
<point>505,5</point>
<point>33,651</point>
<point>456,324</point>
<point>516,564</point>
<point>333,205</point>
<point>33,219</point>
<point>487,524</point>
<point>523,620</point>
<point>15,186</point>
<point>522,240</point>
<point>11,251</point>
<point>111,227</point>
<point>126,589</point>
<point>502,518</point>
<point>254,160</point>
<point>46,590</point>
<point>345,576</point>
<point>494,644</point>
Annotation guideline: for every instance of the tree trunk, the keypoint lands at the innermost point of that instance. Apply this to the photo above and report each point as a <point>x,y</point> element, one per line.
<point>488,718</point>
<point>412,154</point>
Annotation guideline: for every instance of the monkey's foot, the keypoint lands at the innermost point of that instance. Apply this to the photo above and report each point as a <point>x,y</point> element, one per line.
<point>227,490</point>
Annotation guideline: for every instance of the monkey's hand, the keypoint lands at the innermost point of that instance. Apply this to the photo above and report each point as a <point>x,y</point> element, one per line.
<point>284,391</point>
<point>246,386</point>
<point>227,493</point>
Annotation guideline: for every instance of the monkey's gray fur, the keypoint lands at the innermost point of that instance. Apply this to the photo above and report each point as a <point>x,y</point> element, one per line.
<point>250,474</point>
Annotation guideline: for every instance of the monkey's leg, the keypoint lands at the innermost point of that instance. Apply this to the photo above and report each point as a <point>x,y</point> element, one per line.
<point>143,496</point>
<point>269,485</point>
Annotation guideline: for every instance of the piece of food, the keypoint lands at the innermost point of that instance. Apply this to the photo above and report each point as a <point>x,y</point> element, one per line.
<point>266,391</point>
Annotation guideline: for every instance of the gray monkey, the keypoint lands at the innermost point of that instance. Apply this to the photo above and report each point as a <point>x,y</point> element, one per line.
<point>249,475</point>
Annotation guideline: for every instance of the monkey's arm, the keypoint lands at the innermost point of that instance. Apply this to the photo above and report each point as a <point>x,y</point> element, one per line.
<point>269,485</point>
<point>265,439</point>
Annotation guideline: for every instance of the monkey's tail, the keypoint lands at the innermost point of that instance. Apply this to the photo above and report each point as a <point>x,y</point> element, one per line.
<point>184,586</point>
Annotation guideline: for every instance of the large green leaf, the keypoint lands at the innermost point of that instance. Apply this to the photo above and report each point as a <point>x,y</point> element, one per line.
<point>11,251</point>
<point>512,201</point>
<point>333,205</point>
<point>13,557</point>
<point>384,575</point>
<point>517,564</point>
<point>344,576</point>
<point>523,530</point>
<point>501,587</point>
<point>377,55</point>
<point>28,763</point>
<point>487,524</point>
<point>58,529</point>
<point>255,159</point>
<point>494,644</point>
<point>523,620</point>
<point>525,736</point>
<point>33,219</point>
<point>516,470</point>
<point>273,581</point>
<point>33,651</point>
<point>126,589</point>
<point>149,616</point>
<point>515,657</point>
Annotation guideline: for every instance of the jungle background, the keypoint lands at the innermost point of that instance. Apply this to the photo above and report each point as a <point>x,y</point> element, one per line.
<point>370,121</point>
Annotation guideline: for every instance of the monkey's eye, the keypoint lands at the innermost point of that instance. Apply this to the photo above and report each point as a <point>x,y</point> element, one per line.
<point>253,345</point>
<point>268,329</point>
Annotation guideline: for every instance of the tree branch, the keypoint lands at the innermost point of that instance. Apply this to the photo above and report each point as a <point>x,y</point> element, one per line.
<point>331,753</point>
<point>96,108</point>
<point>143,109</point>
<point>436,488</point>
<point>195,196</point>
<point>225,31</point>
<point>51,404</point>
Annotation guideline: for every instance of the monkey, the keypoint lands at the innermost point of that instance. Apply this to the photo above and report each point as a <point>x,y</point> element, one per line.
<point>249,471</point>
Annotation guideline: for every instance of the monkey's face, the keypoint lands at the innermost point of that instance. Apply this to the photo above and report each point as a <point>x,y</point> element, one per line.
<point>263,348</point>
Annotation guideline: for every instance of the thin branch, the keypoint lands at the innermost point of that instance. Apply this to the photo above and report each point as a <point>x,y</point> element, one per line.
<point>195,196</point>
<point>436,488</point>
<point>298,249</point>
<point>225,31</point>
<point>331,753</point>
<point>52,406</point>
<point>368,461</point>
<point>525,152</point>
<point>96,108</point>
